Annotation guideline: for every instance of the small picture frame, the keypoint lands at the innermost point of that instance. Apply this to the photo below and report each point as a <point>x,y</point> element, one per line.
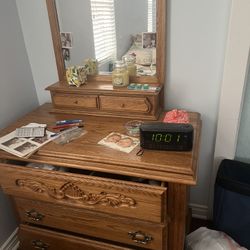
<point>149,40</point>
<point>66,40</point>
<point>66,54</point>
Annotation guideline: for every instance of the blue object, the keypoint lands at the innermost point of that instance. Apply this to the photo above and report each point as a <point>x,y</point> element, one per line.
<point>232,201</point>
<point>68,121</point>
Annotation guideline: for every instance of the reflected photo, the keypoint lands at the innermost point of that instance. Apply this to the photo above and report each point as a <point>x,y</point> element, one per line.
<point>149,40</point>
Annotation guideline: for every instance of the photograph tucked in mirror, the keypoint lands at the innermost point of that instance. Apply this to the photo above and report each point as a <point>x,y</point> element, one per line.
<point>109,31</point>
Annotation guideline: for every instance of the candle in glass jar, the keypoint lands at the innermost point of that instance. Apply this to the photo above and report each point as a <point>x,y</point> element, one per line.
<point>130,62</point>
<point>120,75</point>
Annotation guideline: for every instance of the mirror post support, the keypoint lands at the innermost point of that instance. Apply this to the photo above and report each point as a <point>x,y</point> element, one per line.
<point>141,105</point>
<point>54,26</point>
<point>161,41</point>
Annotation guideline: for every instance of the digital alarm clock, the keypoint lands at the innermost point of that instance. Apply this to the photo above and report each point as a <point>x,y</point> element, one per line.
<point>166,136</point>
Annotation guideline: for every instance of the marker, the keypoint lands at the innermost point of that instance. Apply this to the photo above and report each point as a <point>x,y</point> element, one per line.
<point>67,125</point>
<point>53,135</point>
<point>68,121</point>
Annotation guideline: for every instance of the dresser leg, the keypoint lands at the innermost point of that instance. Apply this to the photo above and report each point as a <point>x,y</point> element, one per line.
<point>177,211</point>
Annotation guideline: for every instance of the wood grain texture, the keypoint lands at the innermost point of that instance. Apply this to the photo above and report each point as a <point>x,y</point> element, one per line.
<point>101,84</point>
<point>91,224</point>
<point>55,33</point>
<point>33,238</point>
<point>177,211</point>
<point>93,193</point>
<point>102,99</point>
<point>123,103</point>
<point>75,101</point>
<point>85,153</point>
<point>160,46</point>
<point>142,208</point>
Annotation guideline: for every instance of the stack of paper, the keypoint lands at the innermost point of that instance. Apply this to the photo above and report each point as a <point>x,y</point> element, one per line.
<point>24,147</point>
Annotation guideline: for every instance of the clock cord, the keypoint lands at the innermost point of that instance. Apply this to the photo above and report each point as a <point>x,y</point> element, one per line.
<point>140,152</point>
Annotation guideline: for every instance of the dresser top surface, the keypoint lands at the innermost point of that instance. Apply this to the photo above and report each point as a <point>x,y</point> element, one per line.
<point>86,153</point>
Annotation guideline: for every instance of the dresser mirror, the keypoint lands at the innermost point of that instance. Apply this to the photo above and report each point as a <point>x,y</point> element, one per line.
<point>131,24</point>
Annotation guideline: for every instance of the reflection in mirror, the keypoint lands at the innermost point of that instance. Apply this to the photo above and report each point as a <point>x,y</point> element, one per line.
<point>109,30</point>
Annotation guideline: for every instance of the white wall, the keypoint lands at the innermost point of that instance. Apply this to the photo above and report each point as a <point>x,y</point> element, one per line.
<point>131,19</point>
<point>78,22</point>
<point>233,85</point>
<point>35,25</point>
<point>18,93</point>
<point>196,33</point>
<point>243,143</point>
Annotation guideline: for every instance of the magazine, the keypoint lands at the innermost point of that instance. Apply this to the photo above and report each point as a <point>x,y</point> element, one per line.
<point>24,147</point>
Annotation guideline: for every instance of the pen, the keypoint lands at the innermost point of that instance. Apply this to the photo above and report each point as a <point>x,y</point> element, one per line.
<point>68,121</point>
<point>67,125</point>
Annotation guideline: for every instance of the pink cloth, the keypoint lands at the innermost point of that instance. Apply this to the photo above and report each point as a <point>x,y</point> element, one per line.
<point>176,116</point>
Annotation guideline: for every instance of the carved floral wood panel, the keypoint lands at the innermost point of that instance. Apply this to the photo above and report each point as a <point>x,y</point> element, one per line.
<point>71,191</point>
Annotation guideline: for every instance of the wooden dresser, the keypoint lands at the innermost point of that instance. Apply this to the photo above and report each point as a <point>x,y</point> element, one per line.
<point>99,198</point>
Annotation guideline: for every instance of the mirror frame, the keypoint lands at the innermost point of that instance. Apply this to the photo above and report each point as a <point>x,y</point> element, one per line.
<point>160,46</point>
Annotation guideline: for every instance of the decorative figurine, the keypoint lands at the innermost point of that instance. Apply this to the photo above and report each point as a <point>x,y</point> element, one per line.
<point>91,66</point>
<point>76,75</point>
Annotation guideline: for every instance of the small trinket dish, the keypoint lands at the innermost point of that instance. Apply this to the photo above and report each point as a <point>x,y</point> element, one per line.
<point>133,127</point>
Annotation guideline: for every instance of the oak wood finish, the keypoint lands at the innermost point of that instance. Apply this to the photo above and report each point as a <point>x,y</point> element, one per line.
<point>93,193</point>
<point>102,203</point>
<point>103,99</point>
<point>98,225</point>
<point>149,108</point>
<point>85,153</point>
<point>75,101</point>
<point>37,238</point>
<point>160,46</point>
<point>56,39</point>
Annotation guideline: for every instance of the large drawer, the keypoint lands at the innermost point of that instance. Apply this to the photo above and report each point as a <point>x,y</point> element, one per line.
<point>75,101</point>
<point>118,197</point>
<point>125,104</point>
<point>43,239</point>
<point>112,228</point>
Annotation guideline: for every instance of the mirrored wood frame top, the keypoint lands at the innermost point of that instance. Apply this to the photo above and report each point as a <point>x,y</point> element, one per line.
<point>160,46</point>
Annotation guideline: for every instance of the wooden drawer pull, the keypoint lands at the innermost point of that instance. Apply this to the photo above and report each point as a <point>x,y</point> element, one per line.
<point>34,215</point>
<point>140,237</point>
<point>38,244</point>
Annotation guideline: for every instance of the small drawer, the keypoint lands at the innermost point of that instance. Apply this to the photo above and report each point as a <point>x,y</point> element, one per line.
<point>126,104</point>
<point>75,101</point>
<point>111,228</point>
<point>43,239</point>
<point>117,197</point>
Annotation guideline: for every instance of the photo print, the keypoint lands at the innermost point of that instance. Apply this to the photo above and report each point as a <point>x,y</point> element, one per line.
<point>66,54</point>
<point>149,40</point>
<point>66,39</point>
<point>120,142</point>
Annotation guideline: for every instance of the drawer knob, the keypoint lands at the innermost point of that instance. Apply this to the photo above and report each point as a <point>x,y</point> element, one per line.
<point>38,244</point>
<point>76,102</point>
<point>140,237</point>
<point>34,215</point>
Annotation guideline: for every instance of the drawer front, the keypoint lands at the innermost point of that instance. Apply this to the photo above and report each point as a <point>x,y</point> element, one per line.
<point>129,104</point>
<point>43,239</point>
<point>116,197</point>
<point>75,101</point>
<point>116,229</point>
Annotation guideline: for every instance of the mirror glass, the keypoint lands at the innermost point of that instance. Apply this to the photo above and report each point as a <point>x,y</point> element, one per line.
<point>109,30</point>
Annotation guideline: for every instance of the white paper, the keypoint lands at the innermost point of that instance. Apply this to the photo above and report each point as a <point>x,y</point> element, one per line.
<point>24,147</point>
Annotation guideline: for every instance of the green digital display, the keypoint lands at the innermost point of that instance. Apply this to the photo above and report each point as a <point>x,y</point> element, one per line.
<point>166,137</point>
